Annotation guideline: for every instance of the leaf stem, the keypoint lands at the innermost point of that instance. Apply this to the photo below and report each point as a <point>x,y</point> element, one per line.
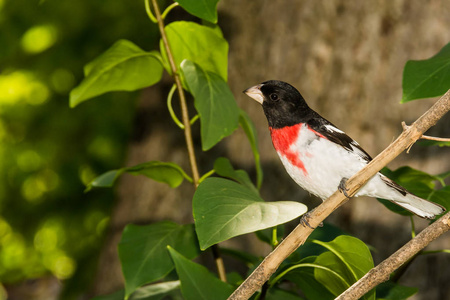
<point>436,251</point>
<point>186,121</point>
<point>195,118</point>
<point>306,265</point>
<point>206,176</point>
<point>168,9</point>
<point>425,137</point>
<point>274,237</point>
<point>170,108</point>
<point>149,11</point>
<point>413,227</point>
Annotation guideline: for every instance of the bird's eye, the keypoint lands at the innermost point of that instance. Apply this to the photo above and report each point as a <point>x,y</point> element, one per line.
<point>274,97</point>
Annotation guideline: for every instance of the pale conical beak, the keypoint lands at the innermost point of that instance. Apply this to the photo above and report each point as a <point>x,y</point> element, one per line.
<point>255,93</point>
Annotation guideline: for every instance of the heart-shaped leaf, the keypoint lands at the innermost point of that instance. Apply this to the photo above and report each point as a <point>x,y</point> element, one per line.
<point>204,9</point>
<point>223,209</point>
<point>197,43</point>
<point>123,67</point>
<point>197,283</point>
<point>143,251</point>
<point>219,113</point>
<point>223,167</point>
<point>169,173</point>
<point>427,78</point>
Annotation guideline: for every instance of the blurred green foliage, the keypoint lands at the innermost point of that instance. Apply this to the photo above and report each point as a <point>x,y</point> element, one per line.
<point>49,152</point>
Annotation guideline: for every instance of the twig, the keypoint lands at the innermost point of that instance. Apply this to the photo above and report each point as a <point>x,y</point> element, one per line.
<point>185,117</point>
<point>299,235</point>
<point>425,137</point>
<point>381,272</point>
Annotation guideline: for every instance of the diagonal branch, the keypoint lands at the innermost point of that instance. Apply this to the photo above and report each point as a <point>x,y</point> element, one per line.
<point>299,235</point>
<point>381,272</point>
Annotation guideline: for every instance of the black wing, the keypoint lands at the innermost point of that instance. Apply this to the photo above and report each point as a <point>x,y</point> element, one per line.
<point>334,134</point>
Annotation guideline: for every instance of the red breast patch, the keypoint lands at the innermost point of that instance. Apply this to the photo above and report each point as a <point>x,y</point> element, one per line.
<point>282,140</point>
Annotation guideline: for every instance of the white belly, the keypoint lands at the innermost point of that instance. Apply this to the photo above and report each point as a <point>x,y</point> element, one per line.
<point>325,163</point>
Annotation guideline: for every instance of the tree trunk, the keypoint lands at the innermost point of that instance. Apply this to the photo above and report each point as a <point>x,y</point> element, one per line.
<point>346,58</point>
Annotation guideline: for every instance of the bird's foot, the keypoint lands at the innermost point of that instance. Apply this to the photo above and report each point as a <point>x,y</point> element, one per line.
<point>342,187</point>
<point>305,220</point>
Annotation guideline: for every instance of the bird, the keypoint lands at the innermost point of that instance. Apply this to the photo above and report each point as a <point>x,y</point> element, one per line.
<point>319,156</point>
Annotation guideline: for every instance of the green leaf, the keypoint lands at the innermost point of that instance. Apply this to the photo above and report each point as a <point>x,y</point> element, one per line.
<point>169,173</point>
<point>197,43</point>
<point>326,233</point>
<point>333,283</point>
<point>250,130</point>
<point>243,256</point>
<point>223,167</point>
<point>427,78</point>
<point>305,280</point>
<point>219,113</point>
<point>441,197</point>
<point>143,253</point>
<point>155,291</point>
<point>409,176</point>
<point>165,172</point>
<point>223,209</point>
<point>443,176</point>
<point>279,294</point>
<point>105,180</point>
<point>204,9</point>
<point>197,282</point>
<point>347,256</point>
<point>392,291</point>
<point>123,67</point>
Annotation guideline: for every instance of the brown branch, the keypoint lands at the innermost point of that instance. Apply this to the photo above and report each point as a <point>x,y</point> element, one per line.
<point>299,235</point>
<point>187,125</point>
<point>381,272</point>
<point>426,137</point>
<point>181,95</point>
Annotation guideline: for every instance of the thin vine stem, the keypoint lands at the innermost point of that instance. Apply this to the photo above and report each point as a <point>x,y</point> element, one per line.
<point>185,118</point>
<point>170,108</point>
<point>307,265</point>
<point>184,110</point>
<point>149,11</point>
<point>195,118</point>
<point>206,175</point>
<point>168,9</point>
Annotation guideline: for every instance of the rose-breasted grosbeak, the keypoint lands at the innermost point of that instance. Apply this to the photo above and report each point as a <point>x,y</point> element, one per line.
<point>319,156</point>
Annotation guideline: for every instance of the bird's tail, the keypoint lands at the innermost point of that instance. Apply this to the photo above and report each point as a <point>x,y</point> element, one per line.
<point>421,207</point>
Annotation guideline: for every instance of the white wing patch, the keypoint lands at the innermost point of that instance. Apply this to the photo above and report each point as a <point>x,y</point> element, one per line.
<point>332,129</point>
<point>355,147</point>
